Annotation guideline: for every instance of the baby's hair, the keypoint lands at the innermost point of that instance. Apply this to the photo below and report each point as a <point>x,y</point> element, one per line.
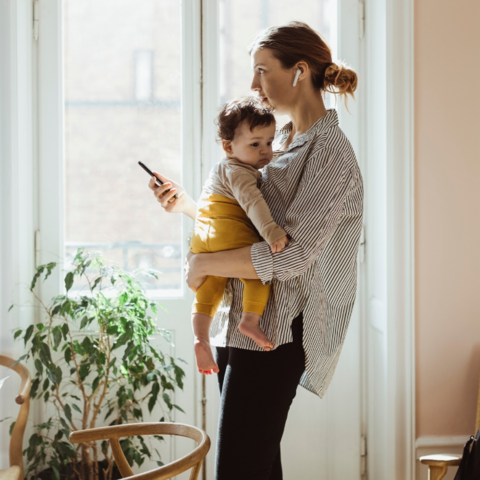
<point>233,113</point>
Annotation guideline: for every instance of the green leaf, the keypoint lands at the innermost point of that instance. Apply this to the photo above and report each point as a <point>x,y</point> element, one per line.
<point>17,333</point>
<point>58,374</point>
<point>56,473</point>
<point>101,358</point>
<point>68,412</point>
<point>11,306</point>
<point>65,330</point>
<point>75,407</point>
<point>28,334</point>
<point>57,337</point>
<point>68,354</point>
<point>95,384</point>
<point>50,266</point>
<point>39,366</point>
<point>84,322</point>
<point>122,340</point>
<point>179,374</point>
<point>151,403</point>
<point>178,408</point>
<point>96,282</point>
<point>110,411</point>
<point>112,329</point>
<point>51,376</point>
<point>66,307</point>
<point>12,426</point>
<point>65,426</point>
<point>87,345</point>
<point>44,353</point>
<point>84,371</point>
<point>123,299</point>
<point>75,397</point>
<point>69,281</point>
<point>33,390</point>
<point>39,271</point>
<point>23,357</point>
<point>166,398</point>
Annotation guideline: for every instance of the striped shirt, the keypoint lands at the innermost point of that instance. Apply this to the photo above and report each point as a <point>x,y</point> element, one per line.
<point>314,190</point>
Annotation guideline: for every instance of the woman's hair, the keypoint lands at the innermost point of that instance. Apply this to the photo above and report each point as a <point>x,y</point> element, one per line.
<point>296,41</point>
<point>233,113</point>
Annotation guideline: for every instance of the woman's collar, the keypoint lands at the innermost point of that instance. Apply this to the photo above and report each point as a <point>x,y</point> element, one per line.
<point>327,121</point>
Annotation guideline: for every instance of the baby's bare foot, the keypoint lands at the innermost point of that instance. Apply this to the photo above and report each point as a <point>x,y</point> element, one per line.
<point>250,326</point>
<point>203,353</point>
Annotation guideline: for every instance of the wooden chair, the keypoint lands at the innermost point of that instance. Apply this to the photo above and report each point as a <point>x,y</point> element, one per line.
<point>193,459</point>
<point>438,464</point>
<point>15,472</point>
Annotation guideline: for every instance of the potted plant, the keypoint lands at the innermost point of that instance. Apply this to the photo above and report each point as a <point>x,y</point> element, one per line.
<point>96,364</point>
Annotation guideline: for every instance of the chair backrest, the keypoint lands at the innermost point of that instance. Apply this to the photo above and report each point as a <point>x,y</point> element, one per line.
<point>192,460</point>
<point>23,399</point>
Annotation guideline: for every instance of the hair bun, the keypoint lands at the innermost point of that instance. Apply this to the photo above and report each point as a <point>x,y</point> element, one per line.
<point>340,79</point>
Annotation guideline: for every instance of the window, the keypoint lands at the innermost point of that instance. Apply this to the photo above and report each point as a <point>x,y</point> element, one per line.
<point>123,82</point>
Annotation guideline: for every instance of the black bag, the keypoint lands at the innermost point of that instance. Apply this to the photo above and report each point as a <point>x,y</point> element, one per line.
<point>469,468</point>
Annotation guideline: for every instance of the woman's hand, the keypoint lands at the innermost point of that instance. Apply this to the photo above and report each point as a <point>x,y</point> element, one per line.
<point>183,204</point>
<point>193,276</point>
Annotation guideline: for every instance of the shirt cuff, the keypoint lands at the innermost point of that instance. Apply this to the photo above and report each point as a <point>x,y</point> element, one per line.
<point>262,260</point>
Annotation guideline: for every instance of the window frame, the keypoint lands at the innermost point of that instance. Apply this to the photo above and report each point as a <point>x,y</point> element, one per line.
<point>51,132</point>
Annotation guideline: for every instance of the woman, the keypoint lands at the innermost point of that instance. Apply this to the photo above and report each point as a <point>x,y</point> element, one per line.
<point>315,192</point>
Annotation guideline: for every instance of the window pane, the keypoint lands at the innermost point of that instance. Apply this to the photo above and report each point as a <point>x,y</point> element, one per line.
<point>240,20</point>
<point>123,104</point>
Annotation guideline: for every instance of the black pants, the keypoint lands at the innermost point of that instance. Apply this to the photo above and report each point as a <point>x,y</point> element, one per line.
<point>257,389</point>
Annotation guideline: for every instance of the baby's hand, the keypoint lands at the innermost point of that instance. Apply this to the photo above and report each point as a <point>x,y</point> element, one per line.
<point>279,245</point>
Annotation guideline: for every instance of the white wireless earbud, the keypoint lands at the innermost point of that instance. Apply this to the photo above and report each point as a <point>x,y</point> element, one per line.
<point>296,77</point>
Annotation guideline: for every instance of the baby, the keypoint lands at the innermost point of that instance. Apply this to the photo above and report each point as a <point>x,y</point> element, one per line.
<point>231,207</point>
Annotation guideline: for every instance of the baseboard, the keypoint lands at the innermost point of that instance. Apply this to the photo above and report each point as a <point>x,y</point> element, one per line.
<point>433,445</point>
<point>440,442</point>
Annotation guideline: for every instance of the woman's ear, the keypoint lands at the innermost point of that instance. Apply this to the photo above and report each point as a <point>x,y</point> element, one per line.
<point>227,146</point>
<point>303,67</point>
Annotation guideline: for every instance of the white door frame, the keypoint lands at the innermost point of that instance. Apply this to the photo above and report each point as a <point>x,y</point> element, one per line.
<point>389,41</point>
<point>17,191</point>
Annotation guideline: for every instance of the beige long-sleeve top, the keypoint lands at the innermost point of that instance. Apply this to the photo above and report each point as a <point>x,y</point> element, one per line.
<point>240,182</point>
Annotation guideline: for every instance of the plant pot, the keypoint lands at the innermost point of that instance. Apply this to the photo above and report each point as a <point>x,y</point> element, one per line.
<point>67,472</point>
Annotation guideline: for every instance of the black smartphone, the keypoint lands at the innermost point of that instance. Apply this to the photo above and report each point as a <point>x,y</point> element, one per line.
<point>158,181</point>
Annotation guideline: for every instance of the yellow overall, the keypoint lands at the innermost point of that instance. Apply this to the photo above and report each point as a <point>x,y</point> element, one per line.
<point>222,224</point>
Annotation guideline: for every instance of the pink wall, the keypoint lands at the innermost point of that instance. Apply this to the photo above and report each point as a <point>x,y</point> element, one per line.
<point>447,190</point>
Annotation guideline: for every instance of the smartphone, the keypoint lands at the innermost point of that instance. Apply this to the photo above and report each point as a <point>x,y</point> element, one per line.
<point>158,181</point>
